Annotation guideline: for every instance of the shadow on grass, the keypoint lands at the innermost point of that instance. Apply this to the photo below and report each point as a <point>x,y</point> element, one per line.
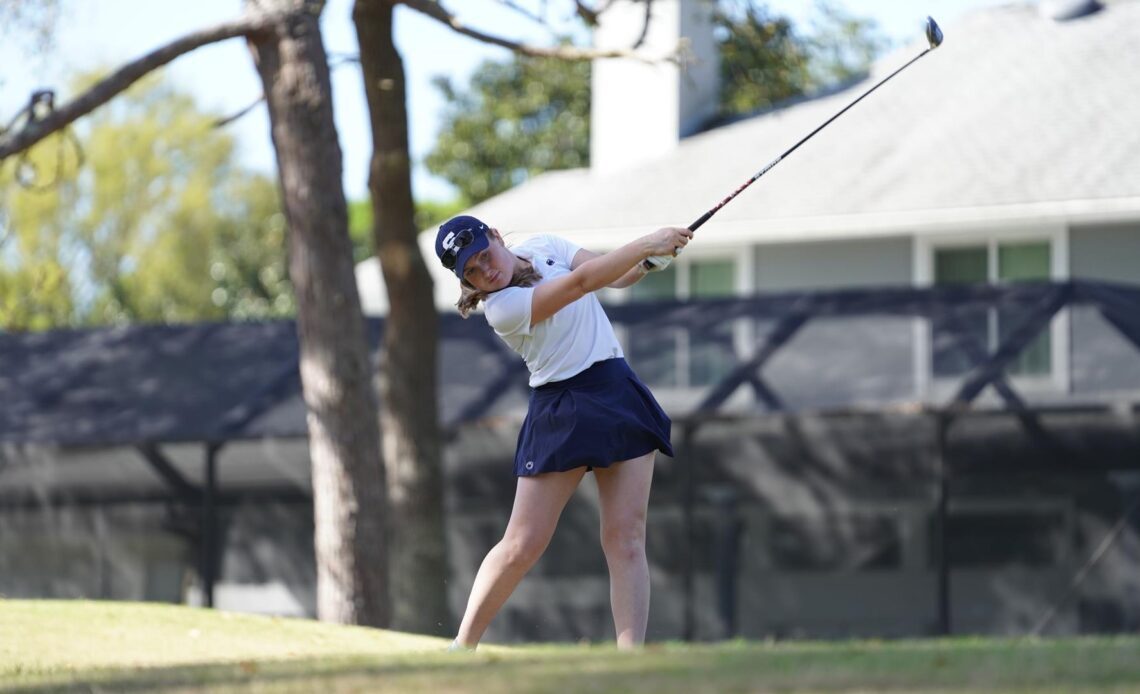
<point>315,674</point>
<point>966,665</point>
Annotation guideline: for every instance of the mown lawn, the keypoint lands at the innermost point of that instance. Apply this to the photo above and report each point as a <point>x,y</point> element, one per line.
<point>103,646</point>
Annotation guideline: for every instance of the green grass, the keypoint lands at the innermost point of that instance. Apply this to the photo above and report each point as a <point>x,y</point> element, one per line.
<point>105,646</point>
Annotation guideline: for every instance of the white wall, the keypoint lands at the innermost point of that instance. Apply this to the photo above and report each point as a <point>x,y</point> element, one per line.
<point>641,108</point>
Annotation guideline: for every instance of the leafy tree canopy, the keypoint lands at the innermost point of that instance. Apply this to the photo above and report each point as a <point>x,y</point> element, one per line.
<point>428,214</point>
<point>766,59</point>
<point>529,115</point>
<point>159,224</point>
<point>517,119</point>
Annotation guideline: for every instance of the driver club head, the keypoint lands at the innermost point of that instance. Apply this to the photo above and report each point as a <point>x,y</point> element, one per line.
<point>933,33</point>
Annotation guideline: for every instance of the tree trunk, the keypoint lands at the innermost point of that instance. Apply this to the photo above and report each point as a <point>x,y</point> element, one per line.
<point>407,375</point>
<point>348,482</point>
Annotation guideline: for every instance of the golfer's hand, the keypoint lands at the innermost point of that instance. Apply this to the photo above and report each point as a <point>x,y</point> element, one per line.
<point>670,241</point>
<point>667,241</point>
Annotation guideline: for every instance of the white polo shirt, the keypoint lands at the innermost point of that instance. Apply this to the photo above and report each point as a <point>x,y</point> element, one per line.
<point>568,342</point>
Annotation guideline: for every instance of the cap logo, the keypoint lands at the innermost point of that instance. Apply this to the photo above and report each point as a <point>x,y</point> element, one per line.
<point>448,240</point>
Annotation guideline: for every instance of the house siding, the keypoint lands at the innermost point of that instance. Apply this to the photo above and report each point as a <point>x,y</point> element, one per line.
<point>834,264</point>
<point>1108,252</point>
<point>1102,359</point>
<point>887,341</point>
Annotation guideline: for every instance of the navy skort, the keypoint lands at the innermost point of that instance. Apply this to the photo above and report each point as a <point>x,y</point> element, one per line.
<point>601,416</point>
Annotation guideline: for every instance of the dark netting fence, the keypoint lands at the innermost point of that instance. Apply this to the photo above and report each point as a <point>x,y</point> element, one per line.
<point>1028,344</point>
<point>869,462</point>
<point>873,462</point>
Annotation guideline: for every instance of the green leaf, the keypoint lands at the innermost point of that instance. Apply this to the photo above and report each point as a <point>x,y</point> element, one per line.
<point>158,224</point>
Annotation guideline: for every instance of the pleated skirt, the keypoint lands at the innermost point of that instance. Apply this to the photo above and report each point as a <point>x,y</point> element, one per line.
<point>601,416</point>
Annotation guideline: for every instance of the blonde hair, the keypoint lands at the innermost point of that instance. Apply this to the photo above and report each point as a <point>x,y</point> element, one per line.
<point>524,276</point>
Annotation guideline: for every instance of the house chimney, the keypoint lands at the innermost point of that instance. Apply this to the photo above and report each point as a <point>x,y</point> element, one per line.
<point>641,109</point>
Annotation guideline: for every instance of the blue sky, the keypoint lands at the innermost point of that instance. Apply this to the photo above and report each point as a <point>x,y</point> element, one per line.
<point>110,32</point>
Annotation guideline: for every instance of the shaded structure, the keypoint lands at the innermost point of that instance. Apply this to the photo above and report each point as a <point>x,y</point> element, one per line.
<point>839,453</point>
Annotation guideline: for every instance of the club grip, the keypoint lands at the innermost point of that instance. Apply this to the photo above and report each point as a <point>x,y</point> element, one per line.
<point>703,218</point>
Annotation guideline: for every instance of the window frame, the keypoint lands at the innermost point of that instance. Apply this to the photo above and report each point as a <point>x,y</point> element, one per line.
<point>743,267</point>
<point>931,387</point>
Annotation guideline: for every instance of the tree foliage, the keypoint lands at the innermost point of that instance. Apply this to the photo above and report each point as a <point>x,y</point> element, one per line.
<point>516,119</point>
<point>528,115</point>
<point>766,59</point>
<point>248,270</point>
<point>159,224</point>
<point>428,214</point>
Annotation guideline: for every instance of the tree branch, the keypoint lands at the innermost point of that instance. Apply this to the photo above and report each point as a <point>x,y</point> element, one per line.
<point>37,128</point>
<point>532,16</point>
<point>335,60</point>
<point>645,24</point>
<point>226,120</point>
<point>433,9</point>
<point>587,14</point>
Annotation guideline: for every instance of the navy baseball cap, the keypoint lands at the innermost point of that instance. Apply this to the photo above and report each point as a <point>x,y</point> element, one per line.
<point>459,239</point>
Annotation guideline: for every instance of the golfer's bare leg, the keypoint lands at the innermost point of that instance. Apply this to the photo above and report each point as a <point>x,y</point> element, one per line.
<point>623,490</point>
<point>539,501</point>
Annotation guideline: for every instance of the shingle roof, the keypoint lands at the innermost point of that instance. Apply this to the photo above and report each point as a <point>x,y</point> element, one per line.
<point>1016,119</point>
<point>1013,109</point>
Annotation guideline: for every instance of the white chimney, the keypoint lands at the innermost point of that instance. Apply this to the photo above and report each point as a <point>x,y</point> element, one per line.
<point>640,110</point>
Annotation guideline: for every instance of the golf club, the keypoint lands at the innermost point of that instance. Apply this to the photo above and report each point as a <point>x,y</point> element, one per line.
<point>933,37</point>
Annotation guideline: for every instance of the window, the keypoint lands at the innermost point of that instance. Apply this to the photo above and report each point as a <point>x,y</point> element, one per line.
<point>959,266</point>
<point>1018,263</point>
<point>712,354</point>
<point>656,285</point>
<point>685,358</point>
<point>654,356</point>
<point>712,278</point>
<point>1015,262</point>
<point>1018,256</point>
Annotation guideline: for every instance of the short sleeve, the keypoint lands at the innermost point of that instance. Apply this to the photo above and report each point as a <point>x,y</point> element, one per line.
<point>560,249</point>
<point>508,310</point>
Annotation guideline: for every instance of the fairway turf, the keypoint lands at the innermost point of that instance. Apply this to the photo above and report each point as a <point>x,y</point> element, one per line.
<point>106,646</point>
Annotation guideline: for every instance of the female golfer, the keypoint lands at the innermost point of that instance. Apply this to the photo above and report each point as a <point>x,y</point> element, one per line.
<point>588,410</point>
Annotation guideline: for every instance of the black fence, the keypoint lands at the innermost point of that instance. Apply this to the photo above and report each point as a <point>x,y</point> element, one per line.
<point>816,351</point>
<point>919,452</point>
<point>870,462</point>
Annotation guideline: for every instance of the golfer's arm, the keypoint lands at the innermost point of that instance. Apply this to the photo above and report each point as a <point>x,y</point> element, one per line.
<point>589,276</point>
<point>628,279</point>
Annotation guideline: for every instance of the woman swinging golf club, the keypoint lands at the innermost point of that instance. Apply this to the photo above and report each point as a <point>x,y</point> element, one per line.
<point>588,411</point>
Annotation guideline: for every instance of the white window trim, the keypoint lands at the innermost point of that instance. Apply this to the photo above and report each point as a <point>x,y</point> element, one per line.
<point>929,388</point>
<point>743,267</point>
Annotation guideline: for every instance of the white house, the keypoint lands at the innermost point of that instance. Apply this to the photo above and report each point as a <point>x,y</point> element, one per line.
<point>171,462</point>
<point>1010,152</point>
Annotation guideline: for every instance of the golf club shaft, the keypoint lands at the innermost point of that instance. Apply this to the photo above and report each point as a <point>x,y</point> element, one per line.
<point>707,215</point>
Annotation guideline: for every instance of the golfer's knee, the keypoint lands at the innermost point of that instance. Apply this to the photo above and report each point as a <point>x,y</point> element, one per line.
<point>523,550</point>
<point>624,541</point>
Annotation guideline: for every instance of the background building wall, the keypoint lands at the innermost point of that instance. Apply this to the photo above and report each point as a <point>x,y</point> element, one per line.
<point>1109,252</point>
<point>834,264</point>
